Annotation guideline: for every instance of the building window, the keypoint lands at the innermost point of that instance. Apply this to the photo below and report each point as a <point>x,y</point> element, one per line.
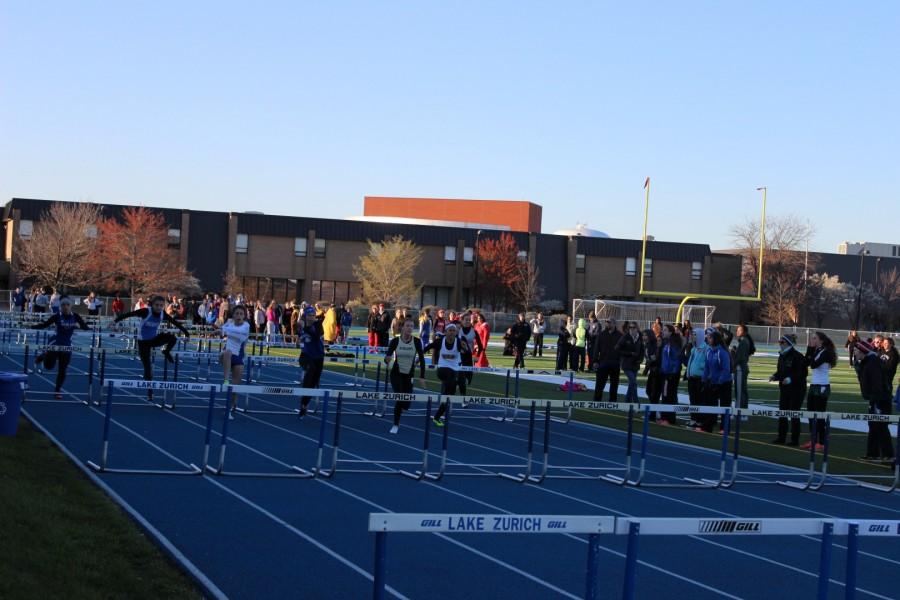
<point>579,263</point>
<point>26,228</point>
<point>299,246</point>
<point>630,266</point>
<point>450,255</point>
<point>91,231</point>
<point>468,256</point>
<point>241,241</point>
<point>435,296</point>
<point>648,267</point>
<point>174,238</point>
<point>895,251</point>
<point>696,270</point>
<point>335,292</point>
<point>522,256</point>
<point>319,248</point>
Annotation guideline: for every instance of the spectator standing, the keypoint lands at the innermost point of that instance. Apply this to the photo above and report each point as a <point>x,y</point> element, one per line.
<point>383,326</point>
<point>484,334</point>
<point>791,377</point>
<point>743,349</point>
<point>521,333</point>
<point>716,378</point>
<point>850,345</point>
<point>670,367</point>
<point>631,351</point>
<point>576,357</point>
<point>118,307</point>
<point>606,360</point>
<point>593,329</point>
<point>563,344</point>
<point>871,385</point>
<point>822,357</point>
<point>538,326</point>
<point>372,325</point>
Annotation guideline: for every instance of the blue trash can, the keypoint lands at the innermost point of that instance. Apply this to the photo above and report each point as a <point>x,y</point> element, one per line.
<point>11,393</point>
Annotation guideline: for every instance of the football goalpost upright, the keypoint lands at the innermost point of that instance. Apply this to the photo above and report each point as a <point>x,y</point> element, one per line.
<point>687,296</point>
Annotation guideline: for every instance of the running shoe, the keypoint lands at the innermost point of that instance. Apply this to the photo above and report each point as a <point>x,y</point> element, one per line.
<point>820,447</point>
<point>394,429</point>
<point>302,412</point>
<point>807,446</point>
<point>662,422</point>
<point>231,415</point>
<point>438,422</point>
<point>58,396</point>
<point>226,383</point>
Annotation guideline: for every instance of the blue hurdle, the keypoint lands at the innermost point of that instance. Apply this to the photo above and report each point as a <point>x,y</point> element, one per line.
<point>112,384</point>
<point>295,472</point>
<point>594,526</point>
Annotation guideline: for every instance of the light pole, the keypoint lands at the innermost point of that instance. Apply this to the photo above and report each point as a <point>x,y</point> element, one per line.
<point>862,257</point>
<point>475,264</point>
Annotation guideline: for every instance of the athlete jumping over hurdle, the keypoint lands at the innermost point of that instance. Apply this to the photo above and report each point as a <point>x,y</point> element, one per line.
<point>149,336</point>
<point>66,321</point>
<point>312,353</point>
<point>405,349</point>
<point>450,348</point>
<point>236,330</point>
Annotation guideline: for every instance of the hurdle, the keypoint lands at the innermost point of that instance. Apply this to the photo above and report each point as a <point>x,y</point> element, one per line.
<point>687,482</point>
<point>849,479</point>
<point>393,466</point>
<point>295,472</point>
<point>383,523</point>
<point>749,527</point>
<point>112,384</point>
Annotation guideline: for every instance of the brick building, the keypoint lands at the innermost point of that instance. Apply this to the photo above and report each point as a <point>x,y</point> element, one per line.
<point>288,257</point>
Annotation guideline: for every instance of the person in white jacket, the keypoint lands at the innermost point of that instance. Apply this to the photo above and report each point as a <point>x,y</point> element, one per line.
<point>538,326</point>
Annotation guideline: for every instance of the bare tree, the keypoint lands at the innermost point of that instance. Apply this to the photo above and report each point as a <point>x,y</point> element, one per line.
<point>386,271</point>
<point>525,288</point>
<point>783,268</point>
<point>780,305</point>
<point>62,247</point>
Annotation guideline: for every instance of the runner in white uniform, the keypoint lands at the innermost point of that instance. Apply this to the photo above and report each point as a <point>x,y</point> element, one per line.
<point>236,330</point>
<point>450,351</point>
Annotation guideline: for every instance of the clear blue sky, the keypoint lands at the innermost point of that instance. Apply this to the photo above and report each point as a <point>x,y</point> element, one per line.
<point>305,107</point>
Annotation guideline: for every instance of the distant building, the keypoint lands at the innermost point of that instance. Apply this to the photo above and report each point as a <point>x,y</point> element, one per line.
<point>875,249</point>
<point>581,229</point>
<point>303,258</point>
<point>507,215</point>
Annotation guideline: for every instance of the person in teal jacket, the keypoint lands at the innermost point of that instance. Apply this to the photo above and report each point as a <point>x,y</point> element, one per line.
<point>696,363</point>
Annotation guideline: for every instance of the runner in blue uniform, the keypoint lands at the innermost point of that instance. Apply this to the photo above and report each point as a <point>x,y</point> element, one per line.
<point>148,332</point>
<point>312,353</point>
<point>65,321</point>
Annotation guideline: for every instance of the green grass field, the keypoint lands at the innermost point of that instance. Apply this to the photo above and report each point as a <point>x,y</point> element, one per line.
<point>846,446</point>
<point>61,537</point>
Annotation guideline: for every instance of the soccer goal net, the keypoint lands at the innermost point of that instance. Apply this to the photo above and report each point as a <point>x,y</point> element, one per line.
<point>642,312</point>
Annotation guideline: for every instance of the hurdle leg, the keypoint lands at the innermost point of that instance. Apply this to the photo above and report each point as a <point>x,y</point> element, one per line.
<point>104,452</point>
<point>852,555</point>
<point>593,564</point>
<point>379,579</point>
<point>634,530</point>
<point>825,560</point>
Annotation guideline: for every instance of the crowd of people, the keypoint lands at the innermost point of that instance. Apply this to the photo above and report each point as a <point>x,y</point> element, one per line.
<point>713,363</point>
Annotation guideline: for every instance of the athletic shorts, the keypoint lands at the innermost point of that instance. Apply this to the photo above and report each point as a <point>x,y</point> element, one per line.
<point>237,360</point>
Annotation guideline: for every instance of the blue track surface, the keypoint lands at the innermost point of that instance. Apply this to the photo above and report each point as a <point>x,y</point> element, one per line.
<point>294,538</point>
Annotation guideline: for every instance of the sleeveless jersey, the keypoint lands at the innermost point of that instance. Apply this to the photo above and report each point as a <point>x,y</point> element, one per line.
<point>65,326</point>
<point>405,354</point>
<point>149,325</point>
<point>449,358</point>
